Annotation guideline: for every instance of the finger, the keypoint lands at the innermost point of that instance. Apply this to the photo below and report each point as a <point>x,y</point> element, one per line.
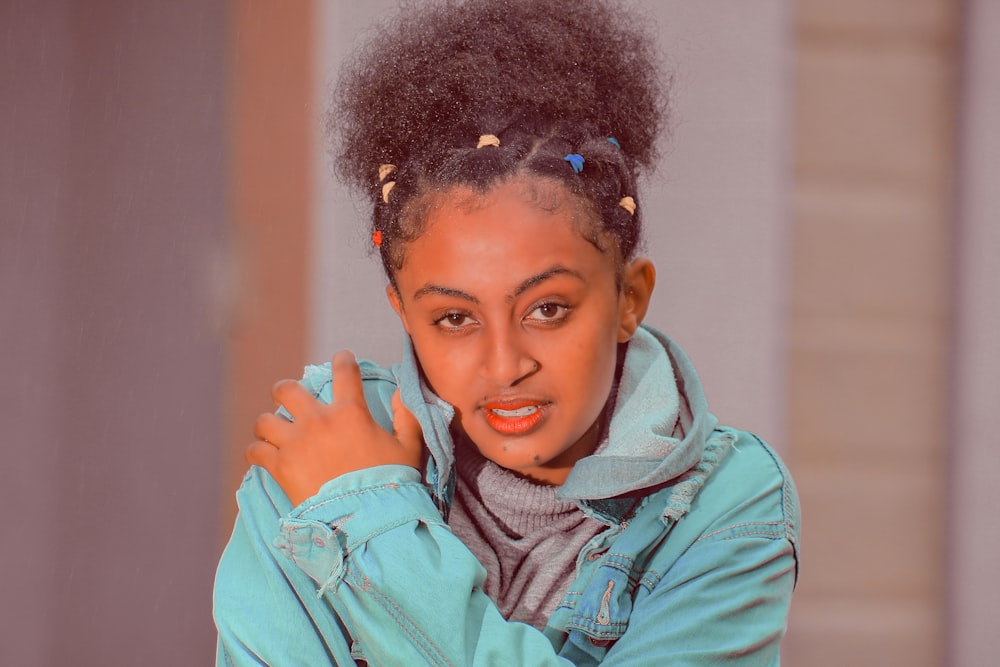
<point>406,428</point>
<point>293,397</point>
<point>273,428</point>
<point>346,378</point>
<point>261,454</point>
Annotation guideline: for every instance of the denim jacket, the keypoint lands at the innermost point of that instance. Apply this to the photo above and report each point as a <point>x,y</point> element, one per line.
<point>696,566</point>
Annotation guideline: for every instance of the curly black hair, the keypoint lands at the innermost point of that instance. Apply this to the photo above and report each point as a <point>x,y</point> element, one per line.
<point>548,78</point>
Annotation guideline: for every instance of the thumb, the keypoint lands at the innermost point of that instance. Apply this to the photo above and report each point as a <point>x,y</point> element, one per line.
<point>407,429</point>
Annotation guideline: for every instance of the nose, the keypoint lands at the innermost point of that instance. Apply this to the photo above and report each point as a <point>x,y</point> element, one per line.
<point>508,360</point>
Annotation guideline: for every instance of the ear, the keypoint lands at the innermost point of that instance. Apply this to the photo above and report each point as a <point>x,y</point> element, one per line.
<point>397,304</point>
<point>638,281</point>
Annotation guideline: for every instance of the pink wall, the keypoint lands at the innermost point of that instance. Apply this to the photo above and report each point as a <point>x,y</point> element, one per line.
<point>112,185</point>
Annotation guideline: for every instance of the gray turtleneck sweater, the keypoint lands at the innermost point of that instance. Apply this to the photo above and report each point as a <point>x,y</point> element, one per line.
<point>526,539</point>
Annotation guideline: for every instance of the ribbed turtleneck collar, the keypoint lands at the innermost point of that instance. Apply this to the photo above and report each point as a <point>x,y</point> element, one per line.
<point>518,504</point>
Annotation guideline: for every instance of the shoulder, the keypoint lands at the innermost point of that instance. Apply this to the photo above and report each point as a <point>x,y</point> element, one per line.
<point>746,503</point>
<point>740,488</point>
<point>751,492</point>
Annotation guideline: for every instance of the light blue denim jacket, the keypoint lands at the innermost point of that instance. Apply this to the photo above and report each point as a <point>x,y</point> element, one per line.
<point>696,567</point>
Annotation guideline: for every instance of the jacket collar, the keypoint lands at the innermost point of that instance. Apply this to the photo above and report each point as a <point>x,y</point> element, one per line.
<point>658,431</point>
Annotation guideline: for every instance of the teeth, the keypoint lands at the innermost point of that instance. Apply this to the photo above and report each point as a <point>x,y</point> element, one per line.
<point>520,412</point>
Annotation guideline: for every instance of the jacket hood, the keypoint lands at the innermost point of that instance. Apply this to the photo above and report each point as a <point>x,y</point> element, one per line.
<point>659,426</point>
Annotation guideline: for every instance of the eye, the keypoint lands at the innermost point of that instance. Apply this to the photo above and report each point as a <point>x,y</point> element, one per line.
<point>454,319</point>
<point>548,312</point>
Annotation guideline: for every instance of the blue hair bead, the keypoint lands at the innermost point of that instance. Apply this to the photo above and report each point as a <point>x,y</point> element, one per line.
<point>576,161</point>
<point>613,141</point>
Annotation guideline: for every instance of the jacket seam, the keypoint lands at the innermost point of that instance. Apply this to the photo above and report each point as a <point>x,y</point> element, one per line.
<point>410,628</point>
<point>786,504</point>
<point>746,524</point>
<point>352,544</point>
<point>358,492</point>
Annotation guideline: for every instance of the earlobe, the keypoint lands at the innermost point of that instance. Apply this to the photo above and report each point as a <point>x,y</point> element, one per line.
<point>397,304</point>
<point>638,281</point>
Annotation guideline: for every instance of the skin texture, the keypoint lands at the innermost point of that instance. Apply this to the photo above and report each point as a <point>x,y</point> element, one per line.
<point>510,308</point>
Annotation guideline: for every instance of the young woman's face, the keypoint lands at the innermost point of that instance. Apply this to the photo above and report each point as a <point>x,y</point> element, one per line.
<point>516,319</point>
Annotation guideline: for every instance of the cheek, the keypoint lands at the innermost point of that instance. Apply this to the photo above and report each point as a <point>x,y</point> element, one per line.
<point>595,361</point>
<point>598,375</point>
<point>445,367</point>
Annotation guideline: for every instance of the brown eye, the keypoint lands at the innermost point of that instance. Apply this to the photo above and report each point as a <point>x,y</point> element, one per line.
<point>454,320</point>
<point>549,312</point>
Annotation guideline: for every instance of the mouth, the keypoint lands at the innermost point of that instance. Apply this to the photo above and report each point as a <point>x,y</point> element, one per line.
<point>514,417</point>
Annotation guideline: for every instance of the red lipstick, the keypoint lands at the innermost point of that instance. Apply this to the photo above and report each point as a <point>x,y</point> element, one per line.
<point>514,417</point>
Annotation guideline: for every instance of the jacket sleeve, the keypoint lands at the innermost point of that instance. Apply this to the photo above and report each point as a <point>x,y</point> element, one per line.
<point>406,590</point>
<point>266,609</point>
<point>366,570</point>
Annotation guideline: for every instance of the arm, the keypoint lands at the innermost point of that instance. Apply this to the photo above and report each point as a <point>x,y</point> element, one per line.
<point>408,590</point>
<point>364,569</point>
<point>366,565</point>
<point>265,608</point>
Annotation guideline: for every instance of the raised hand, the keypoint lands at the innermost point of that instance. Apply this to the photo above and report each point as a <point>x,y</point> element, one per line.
<point>326,441</point>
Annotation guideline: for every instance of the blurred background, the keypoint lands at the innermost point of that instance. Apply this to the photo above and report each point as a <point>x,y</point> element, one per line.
<point>172,243</point>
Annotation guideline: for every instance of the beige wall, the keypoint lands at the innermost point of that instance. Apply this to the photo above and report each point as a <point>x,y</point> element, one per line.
<point>973,529</point>
<point>870,330</point>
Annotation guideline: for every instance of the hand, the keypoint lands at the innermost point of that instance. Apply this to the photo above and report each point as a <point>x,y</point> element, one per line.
<point>326,441</point>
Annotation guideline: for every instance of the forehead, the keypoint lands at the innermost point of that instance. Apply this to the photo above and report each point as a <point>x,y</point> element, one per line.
<point>518,226</point>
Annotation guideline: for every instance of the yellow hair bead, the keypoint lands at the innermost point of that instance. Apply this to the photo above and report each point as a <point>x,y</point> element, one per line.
<point>385,171</point>
<point>488,140</point>
<point>386,189</point>
<point>628,204</point>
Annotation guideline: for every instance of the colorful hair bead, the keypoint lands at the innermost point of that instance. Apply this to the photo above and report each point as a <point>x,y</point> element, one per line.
<point>576,161</point>
<point>386,189</point>
<point>628,204</point>
<point>385,171</point>
<point>377,238</point>
<point>614,142</point>
<point>488,140</point>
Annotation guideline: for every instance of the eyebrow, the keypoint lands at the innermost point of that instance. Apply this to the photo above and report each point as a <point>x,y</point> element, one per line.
<point>443,291</point>
<point>525,285</point>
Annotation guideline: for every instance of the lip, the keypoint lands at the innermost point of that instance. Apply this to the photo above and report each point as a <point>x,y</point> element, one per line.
<point>517,424</point>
